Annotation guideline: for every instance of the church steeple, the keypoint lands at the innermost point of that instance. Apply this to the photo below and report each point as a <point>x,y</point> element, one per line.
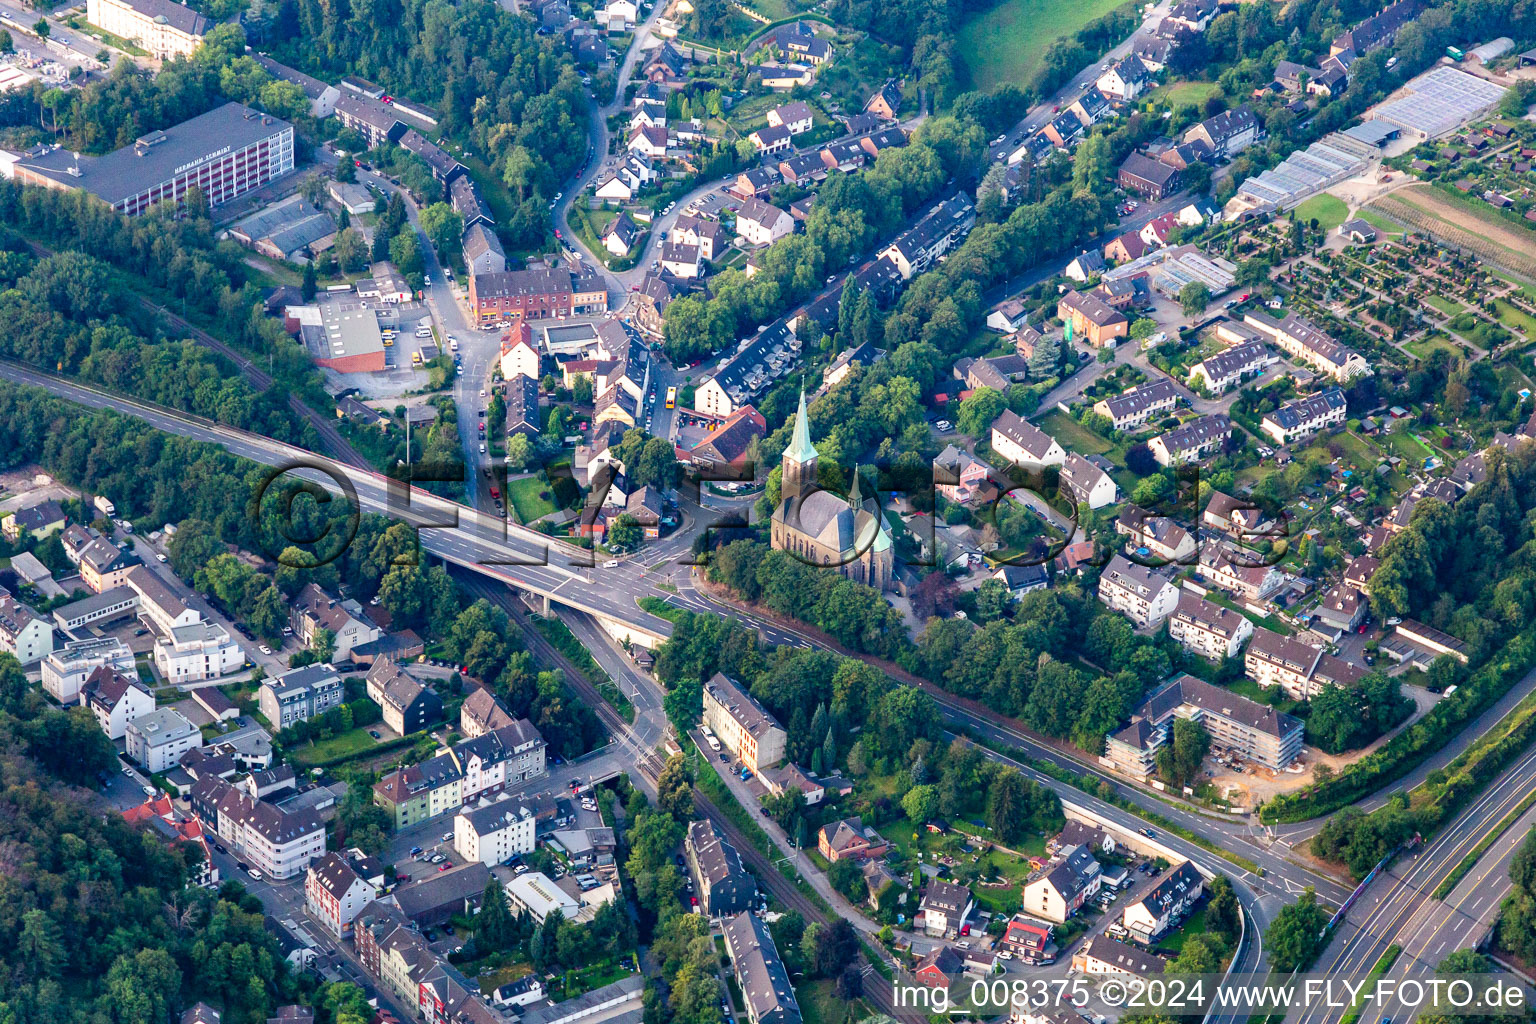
<point>800,457</point>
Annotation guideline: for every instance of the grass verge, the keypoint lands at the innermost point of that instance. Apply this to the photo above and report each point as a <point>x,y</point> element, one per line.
<point>1382,966</point>
<point>1444,888</point>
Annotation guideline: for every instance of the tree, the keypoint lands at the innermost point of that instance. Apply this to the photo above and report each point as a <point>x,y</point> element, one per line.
<point>1194,297</point>
<point>1222,913</point>
<point>494,927</point>
<point>847,877</point>
<point>351,251</point>
<point>520,453</point>
<point>977,412</point>
<point>7,44</point>
<point>1292,938</point>
<point>310,285</point>
<point>1179,762</point>
<point>444,227</point>
<point>624,533</point>
<point>42,28</point>
<point>674,788</point>
<point>39,947</point>
<point>405,251</point>
<point>921,803</point>
<point>836,946</point>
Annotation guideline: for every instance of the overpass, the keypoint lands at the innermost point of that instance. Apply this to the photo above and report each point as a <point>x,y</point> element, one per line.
<point>550,570</point>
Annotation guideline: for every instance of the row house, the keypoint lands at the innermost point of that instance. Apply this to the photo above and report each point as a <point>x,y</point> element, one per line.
<point>941,229</point>
<point>483,766</point>
<point>725,887</point>
<point>1090,318</point>
<point>1226,369</point>
<point>537,293</point>
<point>334,894</point>
<point>1192,441</point>
<point>1209,630</point>
<point>1174,896</point>
<point>1304,341</point>
<point>300,694</point>
<point>1300,418</point>
<point>1136,406</point>
<point>1301,671</point>
<point>1228,133</point>
<point>1022,443</point>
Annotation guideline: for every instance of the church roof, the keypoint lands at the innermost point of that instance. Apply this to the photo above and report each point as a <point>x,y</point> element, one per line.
<point>800,447</point>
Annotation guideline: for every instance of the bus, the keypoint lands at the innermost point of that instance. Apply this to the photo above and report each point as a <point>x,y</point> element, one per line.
<point>672,398</point>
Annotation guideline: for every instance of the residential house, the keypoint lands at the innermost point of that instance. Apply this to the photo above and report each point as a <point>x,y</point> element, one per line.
<point>1087,483</point>
<point>104,566</point>
<point>1174,896</point>
<point>115,699</point>
<point>158,605</point>
<point>1085,265</point>
<point>1104,956</point>
<point>1226,369</point>
<point>1125,80</point>
<point>334,895</point>
<point>1228,133</point>
<point>1024,444</point>
<point>707,235</point>
<point>1239,572</point>
<point>481,713</point>
<point>1256,732</point>
<point>772,139</point>
<point>958,475</point>
<point>197,651</point>
<point>884,102</point>
<point>1235,516</point>
<point>35,522</point>
<point>408,706</point>
<point>1301,671</point>
<point>1089,317</point>
<point>66,669</point>
<point>519,353</point>
<point>760,974</point>
<point>680,260</point>
<point>795,116</point>
<point>648,140</point>
<point>300,694</point>
<point>1145,596</point>
<point>938,967</point>
<point>1209,630</point>
<point>621,235</point>
<point>942,228</point>
<point>1029,940</point>
<point>762,224</point>
<point>1068,883</point>
<point>1136,406</point>
<point>25,635</point>
<point>494,833</point>
<point>1310,344</point>
<point>1152,178</point>
<point>850,839</point>
<point>1154,537</point>
<point>752,183</point>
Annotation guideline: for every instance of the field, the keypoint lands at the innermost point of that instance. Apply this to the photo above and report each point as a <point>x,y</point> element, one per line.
<point>1008,42</point>
<point>1385,225</point>
<point>1427,346</point>
<point>1461,223</point>
<point>525,496</point>
<point>1329,211</point>
<point>819,1004</point>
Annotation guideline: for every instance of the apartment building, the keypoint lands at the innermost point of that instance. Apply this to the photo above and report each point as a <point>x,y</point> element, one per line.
<point>1228,133</point>
<point>944,908</point>
<point>941,229</point>
<point>334,894</point>
<point>1069,882</point>
<point>536,293</point>
<point>277,843</point>
<point>1136,406</point>
<point>494,833</point>
<point>157,739</point>
<point>1209,630</point>
<point>1239,572</point>
<point>725,887</point>
<point>1102,956</point>
<point>25,635</point>
<point>1301,671</point>
<point>406,704</point>
<point>300,694</point>
<point>199,650</point>
<point>761,975</point>
<point>483,766</point>
<point>66,669</point>
<point>116,699</point>
<point>1254,731</point>
<point>1300,418</point>
<point>1174,896</point>
<point>315,610</point>
<point>742,724</point>
<point>1145,596</point>
<point>104,566</point>
<point>1308,343</point>
<point>1090,318</point>
<point>158,604</point>
<point>1198,439</point>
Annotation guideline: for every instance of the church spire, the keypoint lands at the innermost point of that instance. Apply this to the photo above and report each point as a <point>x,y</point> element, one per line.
<point>800,447</point>
<point>855,499</point>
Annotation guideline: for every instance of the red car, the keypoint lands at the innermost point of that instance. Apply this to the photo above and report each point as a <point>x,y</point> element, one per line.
<point>693,900</point>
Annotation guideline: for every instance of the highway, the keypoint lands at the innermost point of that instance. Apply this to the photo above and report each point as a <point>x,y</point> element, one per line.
<point>1400,909</point>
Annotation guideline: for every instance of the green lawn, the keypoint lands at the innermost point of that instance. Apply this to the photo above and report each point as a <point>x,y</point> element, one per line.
<point>525,494</point>
<point>1193,925</point>
<point>1426,346</point>
<point>1405,446</point>
<point>819,1004</point>
<point>1073,435</point>
<point>1007,43</point>
<point>1514,319</point>
<point>1449,307</point>
<point>995,865</point>
<point>1329,211</point>
<point>1180,93</point>
<point>355,741</point>
<point>1383,224</point>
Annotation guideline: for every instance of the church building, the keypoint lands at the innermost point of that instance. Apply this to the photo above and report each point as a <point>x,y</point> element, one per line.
<point>823,528</point>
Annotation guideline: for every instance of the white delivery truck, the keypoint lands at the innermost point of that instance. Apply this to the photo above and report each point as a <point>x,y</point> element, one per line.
<point>104,505</point>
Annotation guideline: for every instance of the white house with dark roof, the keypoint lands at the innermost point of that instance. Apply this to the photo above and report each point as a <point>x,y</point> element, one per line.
<point>1024,444</point>
<point>1146,597</point>
<point>1209,630</point>
<point>165,28</point>
<point>761,223</point>
<point>1066,884</point>
<point>1087,483</point>
<point>945,908</point>
<point>334,894</point>
<point>25,635</point>
<point>795,116</point>
<point>760,973</point>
